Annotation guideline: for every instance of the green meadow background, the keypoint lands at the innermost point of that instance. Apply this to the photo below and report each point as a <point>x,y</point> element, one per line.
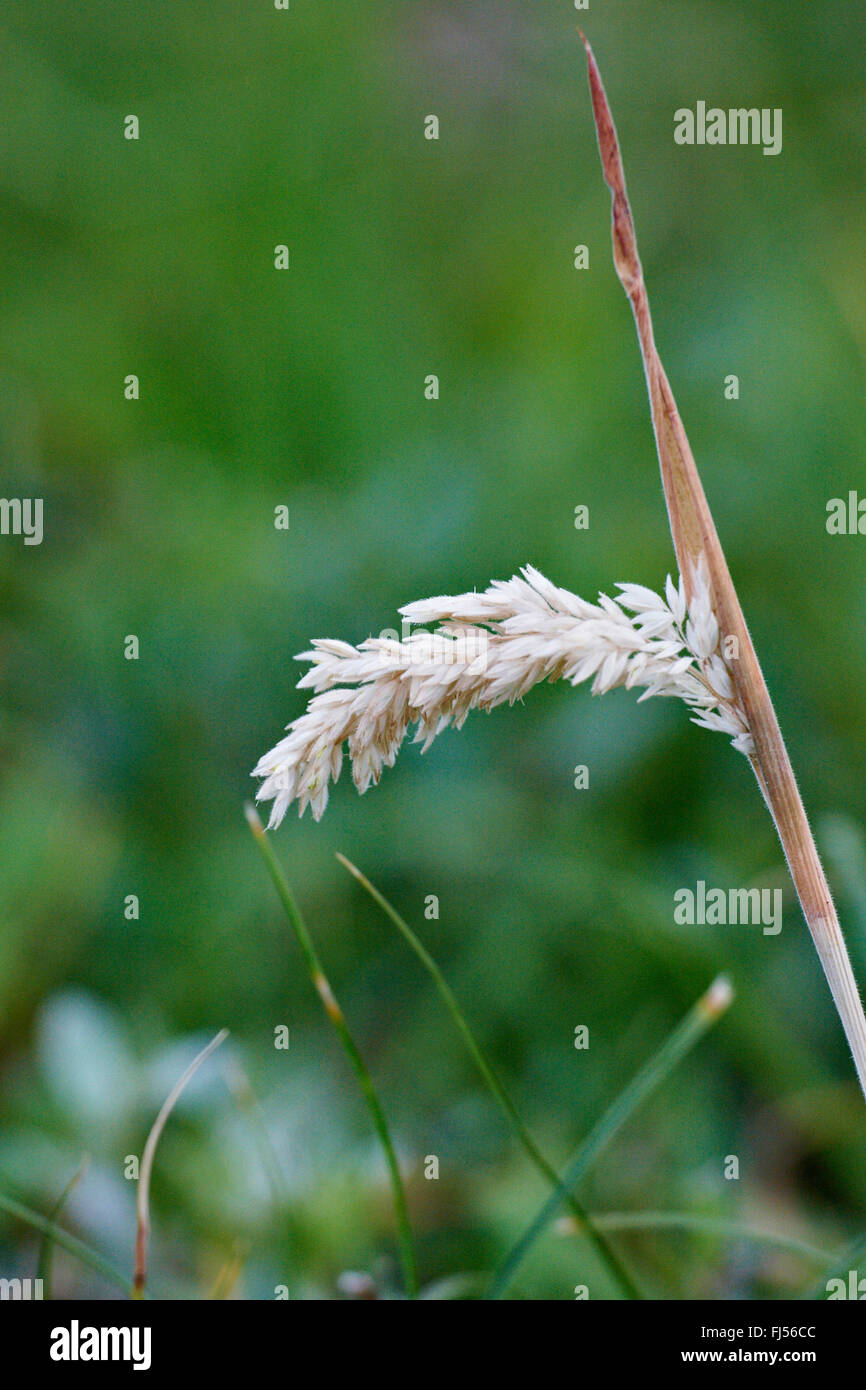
<point>305,388</point>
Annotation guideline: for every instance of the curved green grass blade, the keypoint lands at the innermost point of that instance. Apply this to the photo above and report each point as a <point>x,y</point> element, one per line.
<point>496,1087</point>
<point>335,1014</point>
<point>841,1268</point>
<point>707,1226</point>
<point>697,1021</point>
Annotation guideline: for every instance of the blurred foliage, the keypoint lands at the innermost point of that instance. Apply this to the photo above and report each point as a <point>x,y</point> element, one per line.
<point>305,388</point>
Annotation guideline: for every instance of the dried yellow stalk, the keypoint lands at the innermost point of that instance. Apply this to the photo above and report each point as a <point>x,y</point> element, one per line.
<point>694,533</point>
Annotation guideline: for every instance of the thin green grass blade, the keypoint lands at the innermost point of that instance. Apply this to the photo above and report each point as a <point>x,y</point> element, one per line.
<point>604,1250</point>
<point>148,1155</point>
<point>707,1226</point>
<point>841,1268</point>
<point>697,1021</point>
<point>43,1266</point>
<point>335,1014</point>
<point>69,1243</point>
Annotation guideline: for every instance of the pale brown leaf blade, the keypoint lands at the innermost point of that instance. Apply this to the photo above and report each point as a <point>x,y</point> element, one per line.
<point>694,533</point>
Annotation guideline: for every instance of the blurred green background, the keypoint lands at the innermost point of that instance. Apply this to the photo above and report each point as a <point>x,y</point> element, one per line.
<point>306,388</point>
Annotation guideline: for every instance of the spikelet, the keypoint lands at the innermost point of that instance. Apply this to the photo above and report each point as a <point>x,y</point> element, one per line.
<point>487,649</point>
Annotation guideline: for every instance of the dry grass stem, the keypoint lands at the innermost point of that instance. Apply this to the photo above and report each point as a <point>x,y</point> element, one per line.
<point>694,535</point>
<point>143,1201</point>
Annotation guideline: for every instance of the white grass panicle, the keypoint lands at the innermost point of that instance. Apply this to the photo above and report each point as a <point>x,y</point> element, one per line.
<point>490,648</point>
